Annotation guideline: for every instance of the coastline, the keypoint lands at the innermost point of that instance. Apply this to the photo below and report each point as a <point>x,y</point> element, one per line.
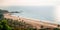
<point>33,22</point>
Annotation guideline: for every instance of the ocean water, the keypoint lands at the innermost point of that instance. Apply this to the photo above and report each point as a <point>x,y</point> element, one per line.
<point>36,12</point>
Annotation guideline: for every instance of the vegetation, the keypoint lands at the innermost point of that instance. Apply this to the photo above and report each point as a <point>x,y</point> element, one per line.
<point>19,25</point>
<point>4,25</point>
<point>1,16</point>
<point>56,29</point>
<point>1,13</point>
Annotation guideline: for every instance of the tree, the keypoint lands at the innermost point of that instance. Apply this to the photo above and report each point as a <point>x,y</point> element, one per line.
<point>56,29</point>
<point>2,12</point>
<point>1,16</point>
<point>4,25</point>
<point>42,26</point>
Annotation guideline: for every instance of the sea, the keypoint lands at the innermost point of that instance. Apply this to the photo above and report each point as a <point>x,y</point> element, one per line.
<point>45,13</point>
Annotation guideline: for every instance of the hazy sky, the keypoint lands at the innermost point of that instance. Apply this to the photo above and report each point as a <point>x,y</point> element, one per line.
<point>29,2</point>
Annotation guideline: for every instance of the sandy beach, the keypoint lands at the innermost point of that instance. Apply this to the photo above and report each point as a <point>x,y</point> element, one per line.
<point>34,23</point>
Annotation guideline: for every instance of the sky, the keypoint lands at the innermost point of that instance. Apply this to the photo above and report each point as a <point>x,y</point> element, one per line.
<point>54,3</point>
<point>28,2</point>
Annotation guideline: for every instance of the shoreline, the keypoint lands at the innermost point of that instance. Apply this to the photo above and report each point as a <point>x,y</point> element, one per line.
<point>33,22</point>
<point>35,19</point>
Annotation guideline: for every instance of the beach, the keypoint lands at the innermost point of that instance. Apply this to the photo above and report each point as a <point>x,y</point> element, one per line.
<point>34,23</point>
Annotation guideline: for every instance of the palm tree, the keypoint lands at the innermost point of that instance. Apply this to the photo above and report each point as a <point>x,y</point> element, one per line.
<point>41,26</point>
<point>58,25</point>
